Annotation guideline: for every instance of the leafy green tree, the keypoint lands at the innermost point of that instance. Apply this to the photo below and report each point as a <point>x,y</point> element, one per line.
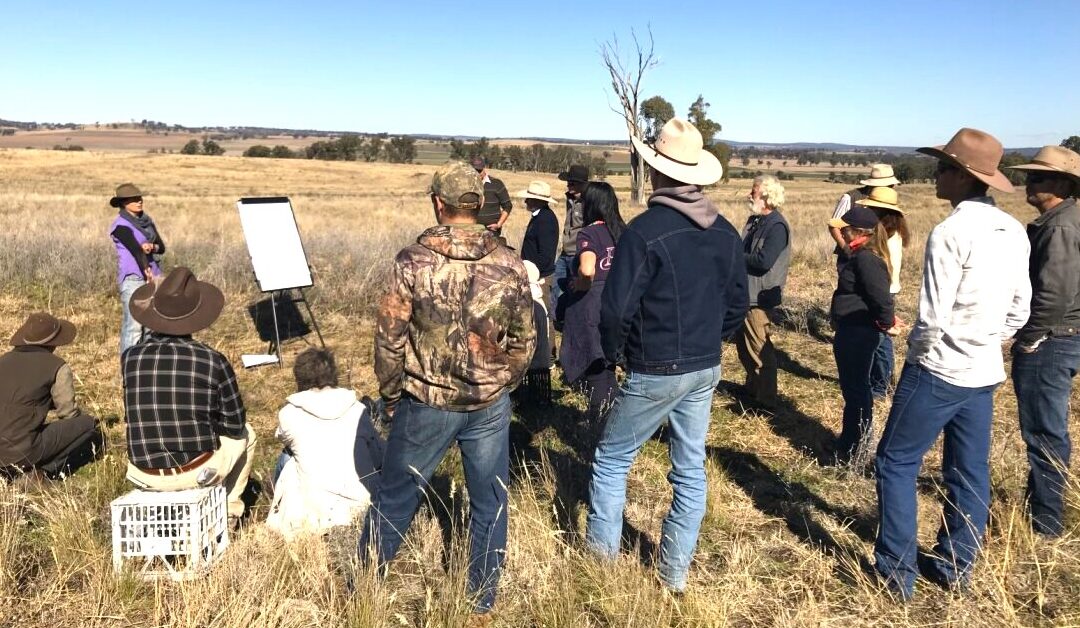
<point>373,147</point>
<point>210,147</point>
<point>401,150</point>
<point>655,112</point>
<point>1072,143</point>
<point>699,117</point>
<point>191,148</point>
<point>258,150</point>
<point>282,152</point>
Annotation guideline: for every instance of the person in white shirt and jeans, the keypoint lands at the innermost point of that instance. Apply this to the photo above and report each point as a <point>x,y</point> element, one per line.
<point>975,295</point>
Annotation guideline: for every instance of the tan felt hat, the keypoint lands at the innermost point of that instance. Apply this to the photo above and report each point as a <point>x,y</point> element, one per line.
<point>539,190</point>
<point>880,175</point>
<point>976,152</point>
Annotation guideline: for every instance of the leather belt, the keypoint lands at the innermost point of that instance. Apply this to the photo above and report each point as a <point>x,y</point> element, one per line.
<point>184,468</point>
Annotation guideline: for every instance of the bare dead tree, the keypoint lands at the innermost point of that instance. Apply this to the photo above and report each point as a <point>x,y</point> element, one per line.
<point>626,77</point>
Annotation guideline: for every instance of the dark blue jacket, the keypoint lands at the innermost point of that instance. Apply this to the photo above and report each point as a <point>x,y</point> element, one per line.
<point>677,286</point>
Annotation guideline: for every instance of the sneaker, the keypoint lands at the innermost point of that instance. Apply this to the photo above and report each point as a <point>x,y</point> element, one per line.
<point>480,620</point>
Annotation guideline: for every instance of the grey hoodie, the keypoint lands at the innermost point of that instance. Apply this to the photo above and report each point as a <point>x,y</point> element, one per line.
<point>689,201</point>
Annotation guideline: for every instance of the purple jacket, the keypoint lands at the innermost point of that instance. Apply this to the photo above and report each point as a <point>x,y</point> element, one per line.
<point>131,262</point>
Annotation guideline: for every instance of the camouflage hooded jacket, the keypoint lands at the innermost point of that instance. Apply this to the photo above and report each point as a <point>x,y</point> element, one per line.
<point>455,330</point>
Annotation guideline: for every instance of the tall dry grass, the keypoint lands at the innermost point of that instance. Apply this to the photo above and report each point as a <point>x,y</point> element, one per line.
<point>786,540</point>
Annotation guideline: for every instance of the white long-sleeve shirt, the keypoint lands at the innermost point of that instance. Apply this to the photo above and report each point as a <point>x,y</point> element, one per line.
<point>975,294</point>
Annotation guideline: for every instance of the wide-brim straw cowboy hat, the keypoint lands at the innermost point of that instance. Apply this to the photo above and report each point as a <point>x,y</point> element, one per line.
<point>976,152</point>
<point>1056,159</point>
<point>885,198</point>
<point>177,305</point>
<point>881,175</point>
<point>539,190</point>
<point>679,153</point>
<point>124,190</point>
<point>43,330</point>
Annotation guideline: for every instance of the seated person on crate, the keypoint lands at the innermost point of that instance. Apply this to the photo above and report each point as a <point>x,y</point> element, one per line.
<point>186,424</point>
<point>33,381</point>
<point>334,454</point>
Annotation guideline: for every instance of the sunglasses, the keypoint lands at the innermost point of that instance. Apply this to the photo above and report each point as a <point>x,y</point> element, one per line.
<point>1037,178</point>
<point>133,199</point>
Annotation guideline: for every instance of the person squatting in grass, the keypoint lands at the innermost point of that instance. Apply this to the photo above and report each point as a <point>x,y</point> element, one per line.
<point>676,288</point>
<point>861,309</point>
<point>1046,354</point>
<point>139,248</point>
<point>581,355</point>
<point>334,452</point>
<point>454,335</point>
<point>33,382</point>
<point>767,247</point>
<point>975,295</point>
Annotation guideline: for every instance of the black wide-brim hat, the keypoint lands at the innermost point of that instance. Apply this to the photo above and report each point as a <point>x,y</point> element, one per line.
<point>43,330</point>
<point>178,305</point>
<point>576,173</point>
<point>124,190</point>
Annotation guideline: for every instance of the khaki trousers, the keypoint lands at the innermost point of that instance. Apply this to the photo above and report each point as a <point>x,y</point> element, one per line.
<point>757,354</point>
<point>232,461</point>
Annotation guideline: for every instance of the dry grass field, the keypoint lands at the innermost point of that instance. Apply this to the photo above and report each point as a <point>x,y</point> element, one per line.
<point>787,540</point>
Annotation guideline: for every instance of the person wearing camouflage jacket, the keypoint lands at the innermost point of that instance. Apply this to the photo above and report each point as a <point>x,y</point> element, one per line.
<point>455,335</point>
<point>455,330</point>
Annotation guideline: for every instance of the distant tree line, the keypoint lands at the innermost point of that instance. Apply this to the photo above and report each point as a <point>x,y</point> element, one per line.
<point>399,149</point>
<point>534,158</point>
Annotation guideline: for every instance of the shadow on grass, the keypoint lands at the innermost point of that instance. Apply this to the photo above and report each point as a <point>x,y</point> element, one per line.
<point>558,434</point>
<point>795,504</point>
<point>805,433</point>
<point>811,320</point>
<point>785,362</point>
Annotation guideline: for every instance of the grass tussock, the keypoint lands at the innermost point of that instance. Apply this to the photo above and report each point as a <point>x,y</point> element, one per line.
<point>786,541</point>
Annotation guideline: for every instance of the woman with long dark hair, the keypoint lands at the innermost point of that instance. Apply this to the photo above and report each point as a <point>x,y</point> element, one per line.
<point>581,356</point>
<point>862,309</point>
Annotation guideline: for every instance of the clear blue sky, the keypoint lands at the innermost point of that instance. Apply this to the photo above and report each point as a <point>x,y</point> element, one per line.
<point>887,73</point>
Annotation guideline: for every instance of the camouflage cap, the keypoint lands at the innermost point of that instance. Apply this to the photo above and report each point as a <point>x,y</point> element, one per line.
<point>458,185</point>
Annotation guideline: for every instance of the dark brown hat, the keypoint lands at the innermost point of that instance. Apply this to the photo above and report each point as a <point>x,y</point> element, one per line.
<point>976,152</point>
<point>43,330</point>
<point>177,305</point>
<point>479,163</point>
<point>577,173</point>
<point>124,190</point>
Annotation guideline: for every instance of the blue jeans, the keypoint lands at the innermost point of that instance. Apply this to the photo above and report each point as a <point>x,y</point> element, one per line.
<point>560,283</point>
<point>642,404</point>
<point>419,438</point>
<point>130,329</point>
<point>1043,383</point>
<point>882,371</point>
<point>853,347</point>
<point>924,405</point>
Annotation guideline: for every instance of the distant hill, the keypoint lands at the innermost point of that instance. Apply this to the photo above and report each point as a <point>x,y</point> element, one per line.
<point>264,131</point>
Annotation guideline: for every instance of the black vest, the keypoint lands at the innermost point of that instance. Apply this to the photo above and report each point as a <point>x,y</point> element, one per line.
<point>26,378</point>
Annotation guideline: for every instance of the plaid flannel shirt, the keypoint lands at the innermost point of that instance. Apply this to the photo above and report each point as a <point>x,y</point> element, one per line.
<point>180,396</point>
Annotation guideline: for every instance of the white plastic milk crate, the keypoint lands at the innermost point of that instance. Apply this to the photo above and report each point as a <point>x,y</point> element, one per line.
<point>170,534</point>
